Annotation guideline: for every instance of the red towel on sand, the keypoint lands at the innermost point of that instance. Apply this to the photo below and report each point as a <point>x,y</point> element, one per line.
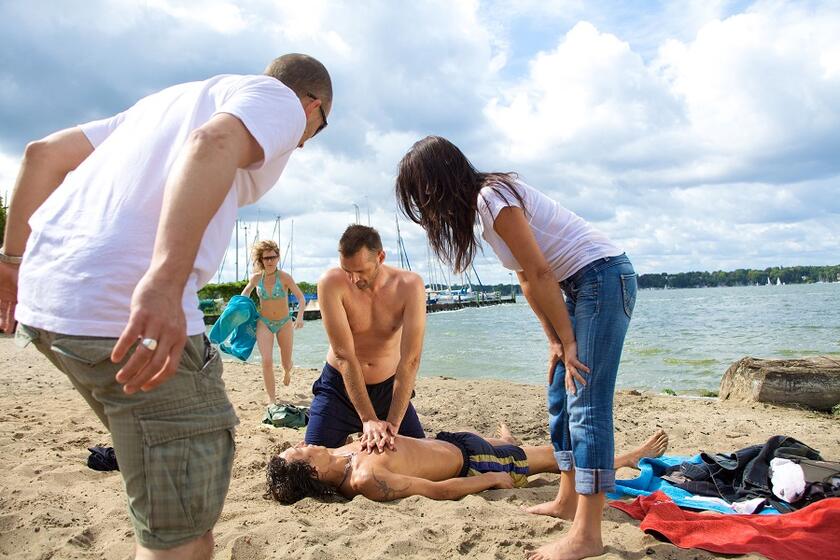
<point>811,532</point>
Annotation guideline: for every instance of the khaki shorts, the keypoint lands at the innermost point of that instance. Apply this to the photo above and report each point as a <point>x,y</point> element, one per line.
<point>174,444</point>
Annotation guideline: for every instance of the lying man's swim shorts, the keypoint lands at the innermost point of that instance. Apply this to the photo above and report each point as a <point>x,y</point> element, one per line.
<point>480,456</point>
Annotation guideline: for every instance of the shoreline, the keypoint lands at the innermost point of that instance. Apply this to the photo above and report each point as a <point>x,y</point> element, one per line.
<point>52,505</point>
<point>691,393</point>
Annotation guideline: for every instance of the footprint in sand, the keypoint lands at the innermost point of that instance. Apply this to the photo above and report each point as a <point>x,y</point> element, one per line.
<point>83,539</point>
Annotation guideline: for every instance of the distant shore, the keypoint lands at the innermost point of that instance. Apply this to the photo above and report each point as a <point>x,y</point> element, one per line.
<point>52,505</point>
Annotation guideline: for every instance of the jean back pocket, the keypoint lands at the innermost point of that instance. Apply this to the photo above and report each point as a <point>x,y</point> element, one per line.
<point>629,286</point>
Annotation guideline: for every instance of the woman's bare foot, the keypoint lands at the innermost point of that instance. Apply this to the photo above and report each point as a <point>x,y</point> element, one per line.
<point>655,446</point>
<point>287,377</point>
<point>562,509</point>
<point>503,433</point>
<point>570,547</point>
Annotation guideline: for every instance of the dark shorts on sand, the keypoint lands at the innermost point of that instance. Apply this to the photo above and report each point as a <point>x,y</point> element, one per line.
<point>481,456</point>
<point>332,417</point>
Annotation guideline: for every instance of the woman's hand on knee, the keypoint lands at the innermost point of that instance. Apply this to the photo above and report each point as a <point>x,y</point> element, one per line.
<point>573,368</point>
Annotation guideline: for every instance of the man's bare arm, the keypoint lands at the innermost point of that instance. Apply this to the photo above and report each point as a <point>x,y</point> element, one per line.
<point>383,486</point>
<point>411,347</point>
<point>45,165</point>
<point>194,191</point>
<point>340,336</point>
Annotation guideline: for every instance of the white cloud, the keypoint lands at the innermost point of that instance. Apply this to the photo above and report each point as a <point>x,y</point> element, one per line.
<point>696,134</point>
<point>223,17</point>
<point>589,96</point>
<point>753,87</point>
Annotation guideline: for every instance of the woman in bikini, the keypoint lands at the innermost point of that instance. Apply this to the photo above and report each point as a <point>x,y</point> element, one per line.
<point>273,287</point>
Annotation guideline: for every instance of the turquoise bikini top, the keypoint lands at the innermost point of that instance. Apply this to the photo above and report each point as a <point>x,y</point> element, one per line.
<point>277,291</point>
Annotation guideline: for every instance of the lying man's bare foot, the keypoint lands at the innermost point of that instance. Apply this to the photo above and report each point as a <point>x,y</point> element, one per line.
<point>287,377</point>
<point>562,509</point>
<point>655,446</point>
<point>569,547</point>
<point>503,433</point>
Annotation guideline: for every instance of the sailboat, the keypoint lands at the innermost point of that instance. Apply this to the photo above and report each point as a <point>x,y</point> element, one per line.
<point>779,281</point>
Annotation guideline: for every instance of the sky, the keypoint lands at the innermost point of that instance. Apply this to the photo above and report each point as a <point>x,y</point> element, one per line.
<point>698,135</point>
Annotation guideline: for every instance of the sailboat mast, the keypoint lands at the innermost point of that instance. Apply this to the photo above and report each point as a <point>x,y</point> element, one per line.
<point>279,242</point>
<point>399,240</point>
<point>246,250</point>
<point>401,246</point>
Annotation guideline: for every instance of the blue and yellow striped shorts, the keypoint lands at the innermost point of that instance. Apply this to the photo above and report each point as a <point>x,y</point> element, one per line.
<point>480,456</point>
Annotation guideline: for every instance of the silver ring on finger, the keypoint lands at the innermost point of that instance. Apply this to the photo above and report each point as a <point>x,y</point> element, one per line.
<point>149,344</point>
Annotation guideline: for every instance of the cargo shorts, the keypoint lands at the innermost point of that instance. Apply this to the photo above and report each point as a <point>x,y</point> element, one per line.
<point>174,444</point>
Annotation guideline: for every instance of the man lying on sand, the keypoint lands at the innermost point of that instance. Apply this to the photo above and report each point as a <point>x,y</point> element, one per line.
<point>448,467</point>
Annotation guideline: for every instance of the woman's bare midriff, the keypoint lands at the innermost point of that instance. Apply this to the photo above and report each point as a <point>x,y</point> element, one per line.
<point>274,309</point>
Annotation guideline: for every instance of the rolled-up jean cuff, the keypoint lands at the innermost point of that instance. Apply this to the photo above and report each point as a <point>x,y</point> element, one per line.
<point>565,460</point>
<point>593,481</point>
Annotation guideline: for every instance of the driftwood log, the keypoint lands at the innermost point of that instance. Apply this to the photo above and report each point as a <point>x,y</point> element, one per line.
<point>811,382</point>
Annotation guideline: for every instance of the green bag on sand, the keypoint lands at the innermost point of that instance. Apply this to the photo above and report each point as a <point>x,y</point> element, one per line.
<point>286,416</point>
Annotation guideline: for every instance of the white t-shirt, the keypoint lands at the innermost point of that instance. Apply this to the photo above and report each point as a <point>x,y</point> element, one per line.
<point>92,239</point>
<point>565,239</point>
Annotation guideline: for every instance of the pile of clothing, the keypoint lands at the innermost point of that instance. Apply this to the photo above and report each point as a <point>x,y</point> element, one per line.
<point>781,476</point>
<point>783,472</point>
<point>286,416</point>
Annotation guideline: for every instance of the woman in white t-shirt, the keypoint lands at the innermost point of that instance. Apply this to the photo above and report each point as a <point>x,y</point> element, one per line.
<point>275,320</point>
<point>553,252</point>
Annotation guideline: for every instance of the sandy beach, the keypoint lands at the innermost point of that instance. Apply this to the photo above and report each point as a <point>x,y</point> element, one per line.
<point>53,506</point>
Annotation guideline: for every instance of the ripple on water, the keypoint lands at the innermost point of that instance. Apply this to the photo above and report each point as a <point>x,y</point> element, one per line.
<point>799,352</point>
<point>671,361</point>
<point>650,351</point>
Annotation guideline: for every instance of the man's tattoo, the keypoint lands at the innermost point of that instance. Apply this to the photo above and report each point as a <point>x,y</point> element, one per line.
<point>388,493</point>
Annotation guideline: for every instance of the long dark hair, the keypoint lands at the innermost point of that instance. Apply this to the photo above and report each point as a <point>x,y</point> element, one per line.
<point>290,481</point>
<point>437,187</point>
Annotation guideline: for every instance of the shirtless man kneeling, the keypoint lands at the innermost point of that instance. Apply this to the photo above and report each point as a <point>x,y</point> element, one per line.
<point>375,317</point>
<point>448,467</point>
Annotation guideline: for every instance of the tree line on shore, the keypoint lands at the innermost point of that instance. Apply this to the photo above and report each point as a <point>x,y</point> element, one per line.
<point>742,277</point>
<point>2,220</point>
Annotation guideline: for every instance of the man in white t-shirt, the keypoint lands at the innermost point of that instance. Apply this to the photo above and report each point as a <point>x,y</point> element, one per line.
<point>105,282</point>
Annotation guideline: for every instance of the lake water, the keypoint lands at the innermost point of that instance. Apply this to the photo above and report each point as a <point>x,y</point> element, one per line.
<point>679,339</point>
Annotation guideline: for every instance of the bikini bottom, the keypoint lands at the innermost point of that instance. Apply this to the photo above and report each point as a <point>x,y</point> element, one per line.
<point>275,326</point>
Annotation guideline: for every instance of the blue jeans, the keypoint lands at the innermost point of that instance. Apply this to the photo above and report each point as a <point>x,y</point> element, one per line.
<point>600,299</point>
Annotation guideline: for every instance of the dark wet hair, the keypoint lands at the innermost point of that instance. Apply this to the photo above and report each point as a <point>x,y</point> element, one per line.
<point>290,481</point>
<point>437,187</point>
<point>357,237</point>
